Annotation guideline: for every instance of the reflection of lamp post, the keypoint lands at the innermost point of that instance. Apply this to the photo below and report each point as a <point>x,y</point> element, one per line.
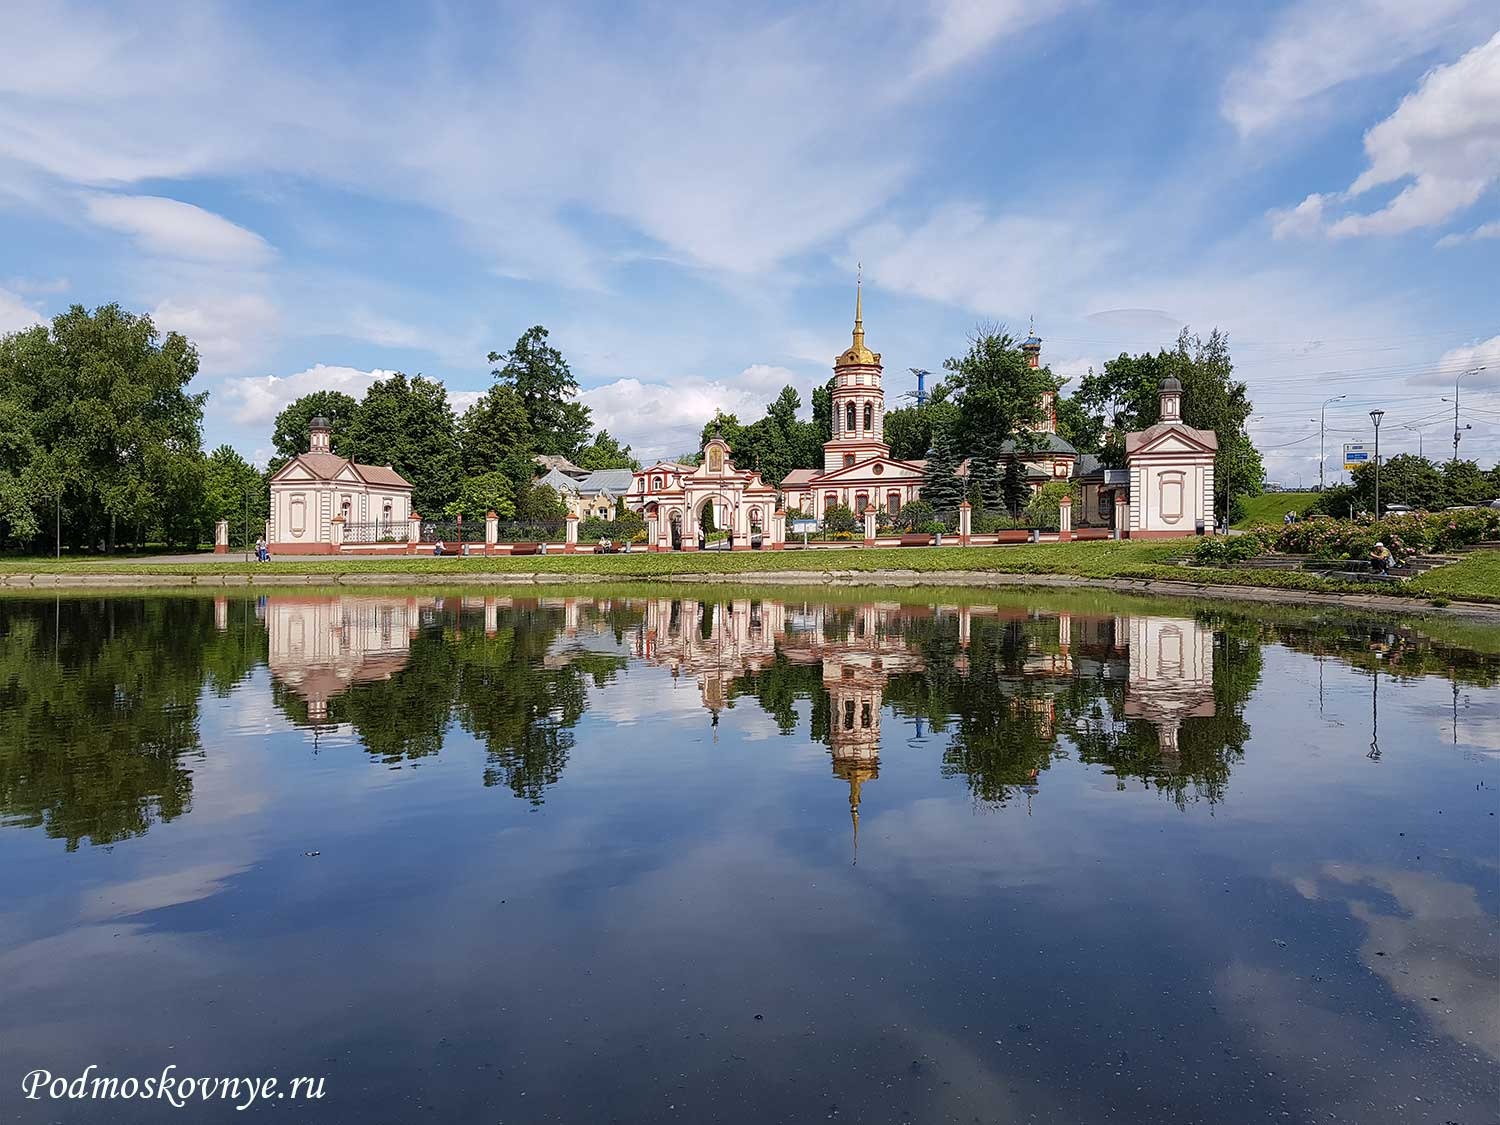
<point>1374,754</point>
<point>1375,416</point>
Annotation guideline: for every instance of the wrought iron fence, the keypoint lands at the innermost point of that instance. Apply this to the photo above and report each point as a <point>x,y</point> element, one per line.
<point>452,531</point>
<point>377,531</point>
<point>530,531</point>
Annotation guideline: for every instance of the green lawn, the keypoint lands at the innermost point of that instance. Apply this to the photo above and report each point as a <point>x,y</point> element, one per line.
<point>1270,507</point>
<point>1475,577</point>
<point>1093,558</point>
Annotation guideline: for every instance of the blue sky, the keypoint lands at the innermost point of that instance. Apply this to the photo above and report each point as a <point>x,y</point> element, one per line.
<point>319,194</point>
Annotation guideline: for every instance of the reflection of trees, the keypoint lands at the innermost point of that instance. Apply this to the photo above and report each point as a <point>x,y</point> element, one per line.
<point>522,701</point>
<point>779,685</point>
<point>100,704</point>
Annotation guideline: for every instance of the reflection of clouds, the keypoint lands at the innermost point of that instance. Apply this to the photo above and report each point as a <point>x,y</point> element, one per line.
<point>1439,942</point>
<point>1477,734</point>
<point>152,892</point>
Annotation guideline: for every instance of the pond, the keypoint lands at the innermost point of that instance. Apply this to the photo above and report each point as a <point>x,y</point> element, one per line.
<point>748,857</point>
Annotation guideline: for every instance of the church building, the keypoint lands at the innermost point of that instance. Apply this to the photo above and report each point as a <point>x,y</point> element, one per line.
<point>313,489</point>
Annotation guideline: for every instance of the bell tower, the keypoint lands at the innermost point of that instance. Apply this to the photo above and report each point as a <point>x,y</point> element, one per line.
<point>858,399</point>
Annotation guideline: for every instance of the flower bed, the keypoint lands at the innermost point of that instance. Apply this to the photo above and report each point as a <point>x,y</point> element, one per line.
<point>1325,538</point>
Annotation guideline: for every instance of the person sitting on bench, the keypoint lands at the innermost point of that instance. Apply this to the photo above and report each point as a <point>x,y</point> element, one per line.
<point>1381,558</point>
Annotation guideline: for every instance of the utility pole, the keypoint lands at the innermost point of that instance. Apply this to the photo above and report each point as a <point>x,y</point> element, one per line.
<point>1322,431</point>
<point>1456,432</point>
<point>1376,416</point>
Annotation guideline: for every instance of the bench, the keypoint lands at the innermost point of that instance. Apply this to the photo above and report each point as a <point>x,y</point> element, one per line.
<point>525,548</point>
<point>916,540</point>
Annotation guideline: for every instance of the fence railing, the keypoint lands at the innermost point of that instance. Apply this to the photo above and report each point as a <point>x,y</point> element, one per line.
<point>530,531</point>
<point>377,531</point>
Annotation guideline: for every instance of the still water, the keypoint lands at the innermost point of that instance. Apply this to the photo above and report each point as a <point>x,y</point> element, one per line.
<point>751,859</point>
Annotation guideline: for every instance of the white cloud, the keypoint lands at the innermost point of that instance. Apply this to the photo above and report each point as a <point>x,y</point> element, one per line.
<point>1485,354</point>
<point>1479,233</point>
<point>230,330</point>
<point>178,230</point>
<point>963,29</point>
<point>388,333</point>
<point>1315,47</point>
<point>1442,143</point>
<point>16,314</point>
<point>256,401</point>
<point>995,265</point>
<point>665,419</point>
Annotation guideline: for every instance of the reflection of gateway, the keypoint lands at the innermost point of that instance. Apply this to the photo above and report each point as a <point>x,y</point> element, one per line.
<point>318,647</point>
<point>1171,674</point>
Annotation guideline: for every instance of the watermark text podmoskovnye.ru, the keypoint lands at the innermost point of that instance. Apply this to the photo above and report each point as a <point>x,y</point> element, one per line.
<point>167,1087</point>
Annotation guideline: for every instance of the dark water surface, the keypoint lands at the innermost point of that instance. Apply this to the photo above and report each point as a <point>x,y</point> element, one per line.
<point>754,859</point>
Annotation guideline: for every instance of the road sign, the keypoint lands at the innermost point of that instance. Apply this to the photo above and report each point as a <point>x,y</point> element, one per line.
<point>1357,453</point>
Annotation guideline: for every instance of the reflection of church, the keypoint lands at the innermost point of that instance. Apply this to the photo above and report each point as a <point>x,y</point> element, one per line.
<point>1171,674</point>
<point>319,646</point>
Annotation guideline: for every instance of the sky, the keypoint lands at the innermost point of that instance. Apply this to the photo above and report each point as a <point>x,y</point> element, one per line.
<point>318,195</point>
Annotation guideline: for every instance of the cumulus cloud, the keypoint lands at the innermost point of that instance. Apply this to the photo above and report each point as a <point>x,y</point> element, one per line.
<point>16,314</point>
<point>1485,354</point>
<point>665,419</point>
<point>1314,48</point>
<point>177,230</point>
<point>257,401</point>
<point>1442,143</point>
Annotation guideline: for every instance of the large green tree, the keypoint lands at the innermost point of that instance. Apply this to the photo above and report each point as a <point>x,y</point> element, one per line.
<point>998,396</point>
<point>105,425</point>
<point>541,377</point>
<point>234,490</point>
<point>290,435</point>
<point>604,452</point>
<point>1465,483</point>
<point>496,435</point>
<point>408,424</point>
<point>1404,479</point>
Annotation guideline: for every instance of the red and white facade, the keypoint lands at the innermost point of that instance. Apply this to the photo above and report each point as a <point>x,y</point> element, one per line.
<point>314,489</point>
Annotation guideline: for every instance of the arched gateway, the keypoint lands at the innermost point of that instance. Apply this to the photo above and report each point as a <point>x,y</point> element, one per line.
<point>668,494</point>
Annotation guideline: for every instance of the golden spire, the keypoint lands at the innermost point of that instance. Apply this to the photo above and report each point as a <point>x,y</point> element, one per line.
<point>858,353</point>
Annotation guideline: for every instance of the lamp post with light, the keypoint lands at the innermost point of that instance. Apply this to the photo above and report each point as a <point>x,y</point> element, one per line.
<point>1376,416</point>
<point>1457,433</point>
<point>1322,431</point>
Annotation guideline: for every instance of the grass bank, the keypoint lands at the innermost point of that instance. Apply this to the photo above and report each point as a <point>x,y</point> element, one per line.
<point>1272,507</point>
<point>1476,578</point>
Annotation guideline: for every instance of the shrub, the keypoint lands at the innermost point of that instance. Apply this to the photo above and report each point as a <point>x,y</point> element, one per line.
<point>1215,550</point>
<point>913,515</point>
<point>838,517</point>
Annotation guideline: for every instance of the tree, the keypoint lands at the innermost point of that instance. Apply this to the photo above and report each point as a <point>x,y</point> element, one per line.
<point>478,496</point>
<point>290,436</point>
<point>1404,479</point>
<point>1013,486</point>
<point>909,430</point>
<point>998,396</point>
<point>541,376</point>
<point>1464,483</point>
<point>105,420</point>
<point>407,424</point>
<point>228,482</point>
<point>538,501</point>
<point>495,434</point>
<point>1079,428</point>
<point>604,452</point>
<point>941,486</point>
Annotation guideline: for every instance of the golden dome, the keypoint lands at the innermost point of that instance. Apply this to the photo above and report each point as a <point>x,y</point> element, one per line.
<point>858,354</point>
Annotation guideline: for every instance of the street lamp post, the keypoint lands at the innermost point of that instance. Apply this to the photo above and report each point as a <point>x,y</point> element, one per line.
<point>1376,416</point>
<point>1322,431</point>
<point>1456,432</point>
<point>1416,430</point>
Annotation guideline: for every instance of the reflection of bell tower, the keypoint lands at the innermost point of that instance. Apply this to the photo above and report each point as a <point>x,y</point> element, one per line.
<point>854,730</point>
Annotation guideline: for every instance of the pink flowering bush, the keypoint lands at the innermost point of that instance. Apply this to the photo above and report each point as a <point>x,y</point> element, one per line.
<point>1405,534</point>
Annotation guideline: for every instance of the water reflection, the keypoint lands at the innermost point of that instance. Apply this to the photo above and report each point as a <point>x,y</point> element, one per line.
<point>1114,860</point>
<point>101,697</point>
